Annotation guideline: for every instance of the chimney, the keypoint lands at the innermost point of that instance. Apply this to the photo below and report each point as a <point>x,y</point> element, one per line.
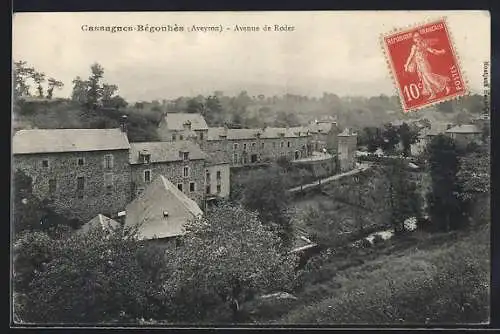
<point>123,123</point>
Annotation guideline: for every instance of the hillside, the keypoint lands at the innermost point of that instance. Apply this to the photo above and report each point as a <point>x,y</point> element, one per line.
<point>434,279</point>
<point>59,114</point>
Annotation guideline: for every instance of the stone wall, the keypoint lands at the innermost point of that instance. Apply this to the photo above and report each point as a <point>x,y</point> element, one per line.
<point>173,171</point>
<point>62,172</point>
<point>262,149</point>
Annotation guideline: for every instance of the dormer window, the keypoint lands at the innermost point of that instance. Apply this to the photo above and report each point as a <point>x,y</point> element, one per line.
<point>184,155</point>
<point>187,125</point>
<point>145,157</point>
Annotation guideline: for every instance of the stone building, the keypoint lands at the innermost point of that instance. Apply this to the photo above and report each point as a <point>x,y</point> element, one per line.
<point>243,147</point>
<point>465,134</point>
<point>161,210</point>
<point>347,145</point>
<point>81,171</point>
<point>324,135</point>
<point>181,162</point>
<point>182,126</point>
<point>217,177</point>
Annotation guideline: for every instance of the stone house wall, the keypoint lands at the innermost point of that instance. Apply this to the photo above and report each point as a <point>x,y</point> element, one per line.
<point>173,171</point>
<point>62,172</point>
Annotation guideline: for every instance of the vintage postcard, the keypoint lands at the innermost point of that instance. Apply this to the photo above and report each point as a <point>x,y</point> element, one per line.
<point>251,168</point>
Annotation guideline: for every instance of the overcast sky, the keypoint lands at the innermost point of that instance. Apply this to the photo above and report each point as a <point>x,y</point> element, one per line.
<point>336,52</point>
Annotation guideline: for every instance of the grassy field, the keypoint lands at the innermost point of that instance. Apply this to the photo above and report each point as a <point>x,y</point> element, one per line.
<point>433,279</point>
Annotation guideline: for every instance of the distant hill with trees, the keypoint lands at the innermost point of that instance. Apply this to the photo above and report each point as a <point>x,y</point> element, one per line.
<point>96,103</point>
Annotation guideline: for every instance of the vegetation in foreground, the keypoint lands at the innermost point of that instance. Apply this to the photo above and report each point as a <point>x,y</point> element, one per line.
<point>437,279</point>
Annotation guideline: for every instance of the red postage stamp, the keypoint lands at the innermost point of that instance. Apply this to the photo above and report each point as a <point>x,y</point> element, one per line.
<point>424,65</point>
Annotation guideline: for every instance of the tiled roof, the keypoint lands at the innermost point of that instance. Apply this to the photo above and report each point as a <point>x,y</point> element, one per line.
<point>165,151</point>
<point>320,127</point>
<point>436,129</point>
<point>268,132</point>
<point>176,121</point>
<point>68,140</point>
<point>99,221</point>
<point>147,210</point>
<point>464,128</point>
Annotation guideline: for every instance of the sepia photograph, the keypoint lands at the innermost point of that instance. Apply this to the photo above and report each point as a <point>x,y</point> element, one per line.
<point>250,169</point>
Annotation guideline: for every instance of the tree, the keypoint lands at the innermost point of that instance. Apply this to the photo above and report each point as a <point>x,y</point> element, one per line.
<point>408,137</point>
<point>445,208</point>
<point>118,102</point>
<point>95,91</point>
<point>108,91</point>
<point>53,83</point>
<point>80,88</point>
<point>404,201</point>
<point>88,278</point>
<point>227,257</point>
<point>21,74</point>
<point>390,137</point>
<point>195,107</point>
<point>213,110</point>
<point>39,78</point>
<point>265,191</point>
<point>445,107</point>
<point>371,137</point>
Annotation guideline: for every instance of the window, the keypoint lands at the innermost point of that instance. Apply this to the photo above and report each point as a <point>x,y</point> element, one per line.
<point>191,186</point>
<point>244,146</point>
<point>208,189</point>
<point>165,214</point>
<point>52,186</point>
<point>185,156</point>
<point>108,183</point>
<point>81,162</point>
<point>218,175</point>
<point>253,145</point>
<point>201,135</point>
<point>208,176</point>
<point>179,186</point>
<point>147,175</point>
<point>174,137</point>
<point>288,144</point>
<point>262,145</point>
<point>108,161</point>
<point>80,185</point>
<point>185,171</point>
<point>146,158</point>
<point>281,144</point>
<point>274,144</point>
<point>235,158</point>
<point>181,137</point>
<point>45,163</point>
<point>235,146</point>
<point>218,188</point>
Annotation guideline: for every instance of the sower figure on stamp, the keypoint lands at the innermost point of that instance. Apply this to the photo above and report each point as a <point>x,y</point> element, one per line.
<point>432,83</point>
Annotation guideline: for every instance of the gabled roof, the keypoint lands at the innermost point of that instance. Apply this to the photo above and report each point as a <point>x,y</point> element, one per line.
<point>464,128</point>
<point>165,151</point>
<point>147,210</point>
<point>68,140</point>
<point>99,221</point>
<point>176,121</point>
